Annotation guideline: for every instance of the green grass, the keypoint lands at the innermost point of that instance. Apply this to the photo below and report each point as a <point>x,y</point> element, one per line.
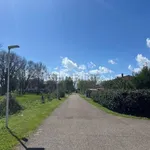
<point>1,97</point>
<point>25,122</point>
<point>110,111</point>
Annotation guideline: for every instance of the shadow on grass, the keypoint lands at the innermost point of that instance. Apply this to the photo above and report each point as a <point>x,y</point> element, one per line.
<point>24,139</point>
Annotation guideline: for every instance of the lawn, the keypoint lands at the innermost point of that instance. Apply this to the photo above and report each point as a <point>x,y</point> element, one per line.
<point>25,122</point>
<point>108,110</point>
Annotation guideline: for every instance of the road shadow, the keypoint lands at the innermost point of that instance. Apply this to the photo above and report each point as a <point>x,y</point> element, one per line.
<point>23,139</point>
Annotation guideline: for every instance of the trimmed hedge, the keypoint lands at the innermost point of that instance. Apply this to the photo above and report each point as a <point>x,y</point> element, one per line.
<point>135,102</point>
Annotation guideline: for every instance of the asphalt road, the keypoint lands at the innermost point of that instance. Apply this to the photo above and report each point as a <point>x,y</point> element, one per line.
<point>77,125</point>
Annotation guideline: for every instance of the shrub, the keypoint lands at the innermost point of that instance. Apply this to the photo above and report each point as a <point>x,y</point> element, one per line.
<point>14,106</point>
<point>61,94</point>
<point>53,95</point>
<point>135,102</point>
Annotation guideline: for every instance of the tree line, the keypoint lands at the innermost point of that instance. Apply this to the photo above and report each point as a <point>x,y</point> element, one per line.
<point>140,80</point>
<point>29,76</point>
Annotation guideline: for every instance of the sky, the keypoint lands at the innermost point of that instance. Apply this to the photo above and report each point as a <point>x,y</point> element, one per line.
<point>79,37</point>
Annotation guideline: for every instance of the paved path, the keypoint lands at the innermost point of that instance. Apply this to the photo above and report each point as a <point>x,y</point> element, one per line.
<point>77,125</point>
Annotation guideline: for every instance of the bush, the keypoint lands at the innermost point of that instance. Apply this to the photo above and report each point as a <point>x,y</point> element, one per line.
<point>61,94</point>
<point>53,95</point>
<point>135,102</point>
<point>14,106</point>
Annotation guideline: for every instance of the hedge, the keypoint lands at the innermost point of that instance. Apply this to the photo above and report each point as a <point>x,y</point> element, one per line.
<point>135,102</point>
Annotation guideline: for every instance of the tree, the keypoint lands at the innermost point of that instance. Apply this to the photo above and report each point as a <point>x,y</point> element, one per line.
<point>34,74</point>
<point>125,82</point>
<point>69,86</point>
<point>142,79</point>
<point>83,85</point>
<point>16,64</point>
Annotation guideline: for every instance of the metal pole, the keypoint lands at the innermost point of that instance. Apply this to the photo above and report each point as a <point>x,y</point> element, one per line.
<point>7,101</point>
<point>58,77</point>
<point>57,89</point>
<point>21,81</point>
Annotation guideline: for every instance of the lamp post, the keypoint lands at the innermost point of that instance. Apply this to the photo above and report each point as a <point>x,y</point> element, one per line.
<point>58,79</point>
<point>8,63</point>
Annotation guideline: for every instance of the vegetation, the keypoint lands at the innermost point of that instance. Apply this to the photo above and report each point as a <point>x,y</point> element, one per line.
<point>33,93</point>
<point>84,85</point>
<point>135,102</point>
<point>126,83</point>
<point>24,122</point>
<point>139,80</point>
<point>126,95</point>
<point>28,76</point>
<point>14,106</point>
<point>90,100</point>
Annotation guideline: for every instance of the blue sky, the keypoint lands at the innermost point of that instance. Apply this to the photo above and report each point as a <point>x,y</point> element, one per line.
<point>104,37</point>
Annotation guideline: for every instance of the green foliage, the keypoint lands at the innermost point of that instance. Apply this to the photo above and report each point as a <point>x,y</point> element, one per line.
<point>142,79</point>
<point>83,85</point>
<point>90,100</point>
<point>53,95</point>
<point>14,106</point>
<point>135,102</point>
<point>61,94</point>
<point>139,80</point>
<point>64,86</point>
<point>68,83</point>
<point>119,83</point>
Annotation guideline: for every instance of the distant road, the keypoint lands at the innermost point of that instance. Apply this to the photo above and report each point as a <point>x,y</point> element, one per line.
<point>77,125</point>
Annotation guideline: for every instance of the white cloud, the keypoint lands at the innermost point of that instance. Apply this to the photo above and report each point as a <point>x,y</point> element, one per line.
<point>82,67</point>
<point>120,75</point>
<point>94,72</point>
<point>81,75</point>
<point>141,62</point>
<point>101,70</point>
<point>148,42</point>
<point>70,68</point>
<point>112,62</point>
<point>62,73</point>
<point>130,68</point>
<point>91,65</point>
<point>136,70</point>
<point>56,68</point>
<point>104,70</point>
<point>69,64</point>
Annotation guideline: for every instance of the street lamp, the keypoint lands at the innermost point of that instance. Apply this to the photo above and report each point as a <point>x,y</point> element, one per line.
<point>8,63</point>
<point>58,78</point>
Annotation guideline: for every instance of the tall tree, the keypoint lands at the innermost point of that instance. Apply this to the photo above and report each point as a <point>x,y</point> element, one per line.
<point>16,64</point>
<point>142,79</point>
<point>69,85</point>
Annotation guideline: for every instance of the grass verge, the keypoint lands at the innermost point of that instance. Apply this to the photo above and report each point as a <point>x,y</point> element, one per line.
<point>25,122</point>
<point>110,111</point>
